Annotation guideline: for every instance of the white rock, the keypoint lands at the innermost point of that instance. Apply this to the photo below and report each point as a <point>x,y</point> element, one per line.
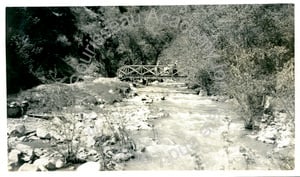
<point>79,125</point>
<point>13,156</point>
<point>108,151</point>
<point>60,163</point>
<point>38,152</point>
<point>284,142</point>
<point>99,124</point>
<point>28,167</point>
<point>89,166</point>
<point>88,131</point>
<point>90,141</point>
<point>155,82</point>
<point>268,141</point>
<point>82,154</point>
<point>145,126</point>
<point>122,157</point>
<point>10,168</point>
<point>12,141</point>
<point>93,155</point>
<point>110,91</point>
<point>100,101</point>
<point>267,102</point>
<point>91,115</point>
<point>92,152</point>
<point>147,100</point>
<point>27,152</point>
<point>43,133</point>
<point>57,121</point>
<point>54,134</point>
<point>18,131</point>
<point>24,139</point>
<point>106,130</point>
<point>270,133</point>
<point>34,138</point>
<point>44,164</point>
<point>119,167</point>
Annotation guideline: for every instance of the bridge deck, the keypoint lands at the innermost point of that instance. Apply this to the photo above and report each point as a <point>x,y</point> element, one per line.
<point>148,71</point>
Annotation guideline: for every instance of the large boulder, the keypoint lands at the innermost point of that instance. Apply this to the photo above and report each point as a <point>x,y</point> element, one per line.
<point>14,158</point>
<point>14,110</point>
<point>39,152</point>
<point>14,155</point>
<point>56,162</point>
<point>91,116</point>
<point>28,167</point>
<point>89,166</point>
<point>18,131</point>
<point>56,135</point>
<point>44,164</point>
<point>59,163</point>
<point>27,153</point>
<point>43,133</point>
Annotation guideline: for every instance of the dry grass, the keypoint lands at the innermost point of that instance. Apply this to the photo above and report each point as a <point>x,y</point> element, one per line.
<point>52,98</point>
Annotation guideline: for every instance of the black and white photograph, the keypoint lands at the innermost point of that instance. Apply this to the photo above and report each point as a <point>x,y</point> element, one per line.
<point>195,87</point>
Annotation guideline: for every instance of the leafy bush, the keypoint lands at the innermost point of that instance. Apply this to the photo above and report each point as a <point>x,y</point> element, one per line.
<point>65,134</point>
<point>205,81</point>
<point>73,132</point>
<point>49,98</point>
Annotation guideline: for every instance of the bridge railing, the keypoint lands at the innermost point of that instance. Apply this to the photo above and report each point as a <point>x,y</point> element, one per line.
<point>128,71</point>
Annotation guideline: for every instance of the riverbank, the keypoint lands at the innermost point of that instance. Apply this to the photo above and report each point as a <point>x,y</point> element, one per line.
<point>162,126</point>
<point>66,125</point>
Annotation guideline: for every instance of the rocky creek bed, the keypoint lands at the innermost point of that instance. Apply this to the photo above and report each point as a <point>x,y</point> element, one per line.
<point>164,126</point>
<point>207,133</point>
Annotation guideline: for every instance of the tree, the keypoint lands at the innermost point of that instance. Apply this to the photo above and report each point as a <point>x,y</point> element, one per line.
<point>37,40</point>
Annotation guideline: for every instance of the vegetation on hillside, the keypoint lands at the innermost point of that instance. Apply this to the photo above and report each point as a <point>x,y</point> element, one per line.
<point>243,51</point>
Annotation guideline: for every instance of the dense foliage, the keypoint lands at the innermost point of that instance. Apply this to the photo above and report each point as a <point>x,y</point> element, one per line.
<point>244,51</point>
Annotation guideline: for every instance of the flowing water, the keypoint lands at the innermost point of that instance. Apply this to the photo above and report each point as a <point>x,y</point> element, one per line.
<point>197,134</point>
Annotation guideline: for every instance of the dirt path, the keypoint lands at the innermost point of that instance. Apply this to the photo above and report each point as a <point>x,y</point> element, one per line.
<point>198,133</point>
